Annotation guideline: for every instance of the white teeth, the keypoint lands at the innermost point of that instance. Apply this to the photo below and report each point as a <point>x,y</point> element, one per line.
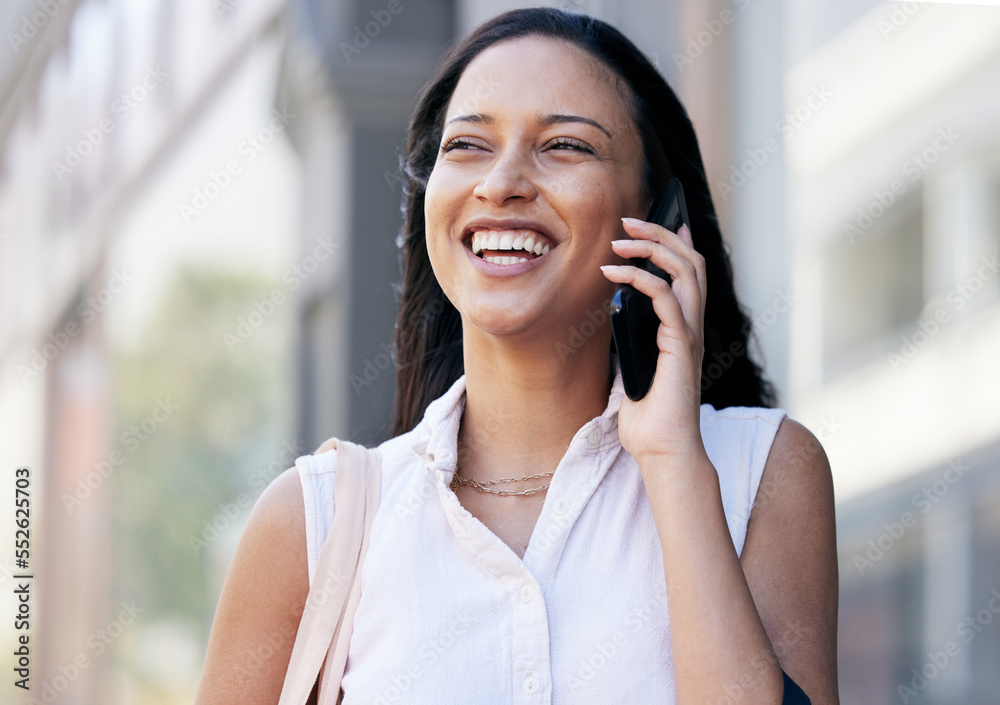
<point>506,260</point>
<point>507,240</point>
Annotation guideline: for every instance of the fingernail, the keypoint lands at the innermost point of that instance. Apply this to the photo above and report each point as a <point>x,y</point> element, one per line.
<point>606,267</point>
<point>631,221</point>
<point>618,242</point>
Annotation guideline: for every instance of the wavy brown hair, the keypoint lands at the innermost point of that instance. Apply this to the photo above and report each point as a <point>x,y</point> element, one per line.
<point>429,328</point>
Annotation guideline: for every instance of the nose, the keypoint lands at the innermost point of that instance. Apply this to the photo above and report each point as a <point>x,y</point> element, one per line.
<point>509,176</point>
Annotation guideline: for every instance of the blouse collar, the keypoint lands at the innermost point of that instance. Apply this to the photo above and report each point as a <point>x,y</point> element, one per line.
<point>437,441</point>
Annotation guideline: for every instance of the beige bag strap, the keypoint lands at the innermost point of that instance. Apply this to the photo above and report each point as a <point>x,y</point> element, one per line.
<point>328,618</point>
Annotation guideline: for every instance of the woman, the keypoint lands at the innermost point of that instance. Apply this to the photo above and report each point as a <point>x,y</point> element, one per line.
<point>631,562</point>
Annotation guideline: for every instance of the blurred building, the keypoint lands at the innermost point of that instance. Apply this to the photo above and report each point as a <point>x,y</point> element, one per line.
<point>893,186</point>
<point>854,161</point>
<point>96,97</point>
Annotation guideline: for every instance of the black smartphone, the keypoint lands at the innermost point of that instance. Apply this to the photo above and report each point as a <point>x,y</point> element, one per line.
<point>633,321</point>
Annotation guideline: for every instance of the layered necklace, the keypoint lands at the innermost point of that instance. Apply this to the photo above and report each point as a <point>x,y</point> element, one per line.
<point>457,480</point>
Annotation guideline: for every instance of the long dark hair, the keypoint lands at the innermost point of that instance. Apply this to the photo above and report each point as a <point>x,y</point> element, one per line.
<point>429,329</point>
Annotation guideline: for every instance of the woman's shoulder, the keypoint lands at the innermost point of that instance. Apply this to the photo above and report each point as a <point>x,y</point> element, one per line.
<point>262,600</point>
<point>797,466</point>
<point>781,440</point>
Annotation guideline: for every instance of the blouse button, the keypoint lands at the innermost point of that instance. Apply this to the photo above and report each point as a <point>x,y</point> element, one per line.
<point>560,507</point>
<point>530,685</point>
<point>594,437</point>
<point>527,592</point>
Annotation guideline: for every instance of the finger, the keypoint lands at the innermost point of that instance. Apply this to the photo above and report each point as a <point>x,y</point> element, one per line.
<point>666,306</point>
<point>684,233</point>
<point>643,230</point>
<point>684,272</point>
<point>663,256</point>
<point>652,231</point>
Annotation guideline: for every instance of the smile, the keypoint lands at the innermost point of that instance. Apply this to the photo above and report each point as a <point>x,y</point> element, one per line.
<point>491,244</point>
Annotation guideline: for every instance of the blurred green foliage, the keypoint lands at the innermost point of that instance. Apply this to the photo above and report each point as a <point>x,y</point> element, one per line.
<point>233,414</point>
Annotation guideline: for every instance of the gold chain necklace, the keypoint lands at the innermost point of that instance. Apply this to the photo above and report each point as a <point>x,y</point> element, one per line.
<point>481,486</point>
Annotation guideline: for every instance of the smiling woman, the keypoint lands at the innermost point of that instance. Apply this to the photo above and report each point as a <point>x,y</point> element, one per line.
<point>541,537</point>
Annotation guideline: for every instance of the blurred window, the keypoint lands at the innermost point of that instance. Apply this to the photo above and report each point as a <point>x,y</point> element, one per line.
<point>873,289</point>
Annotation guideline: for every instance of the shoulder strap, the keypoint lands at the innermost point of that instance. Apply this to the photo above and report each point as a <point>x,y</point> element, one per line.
<point>328,616</point>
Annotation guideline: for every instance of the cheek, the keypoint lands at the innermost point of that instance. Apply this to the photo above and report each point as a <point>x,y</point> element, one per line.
<point>592,208</point>
<point>443,196</point>
<point>442,209</point>
<point>438,200</point>
<point>592,197</point>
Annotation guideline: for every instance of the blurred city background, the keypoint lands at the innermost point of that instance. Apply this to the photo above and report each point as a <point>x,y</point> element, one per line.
<point>199,202</point>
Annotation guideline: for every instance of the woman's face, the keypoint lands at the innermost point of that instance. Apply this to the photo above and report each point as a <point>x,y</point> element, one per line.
<point>539,151</point>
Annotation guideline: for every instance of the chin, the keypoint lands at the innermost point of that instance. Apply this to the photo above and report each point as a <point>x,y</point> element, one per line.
<point>500,322</point>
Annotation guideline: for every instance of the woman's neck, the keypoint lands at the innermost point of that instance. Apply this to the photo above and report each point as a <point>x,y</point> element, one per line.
<point>523,406</point>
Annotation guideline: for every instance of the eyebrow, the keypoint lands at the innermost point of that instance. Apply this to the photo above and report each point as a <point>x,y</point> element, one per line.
<point>543,120</point>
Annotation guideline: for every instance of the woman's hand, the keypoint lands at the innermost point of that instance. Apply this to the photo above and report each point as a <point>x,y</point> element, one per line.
<point>666,423</point>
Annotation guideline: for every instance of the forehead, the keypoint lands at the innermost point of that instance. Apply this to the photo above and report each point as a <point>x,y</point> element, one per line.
<point>536,75</point>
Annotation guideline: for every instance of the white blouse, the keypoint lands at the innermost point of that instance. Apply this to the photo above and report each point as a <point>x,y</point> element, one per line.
<point>450,614</point>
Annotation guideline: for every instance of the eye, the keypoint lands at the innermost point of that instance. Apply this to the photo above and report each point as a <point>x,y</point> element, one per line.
<point>564,143</point>
<point>457,143</point>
